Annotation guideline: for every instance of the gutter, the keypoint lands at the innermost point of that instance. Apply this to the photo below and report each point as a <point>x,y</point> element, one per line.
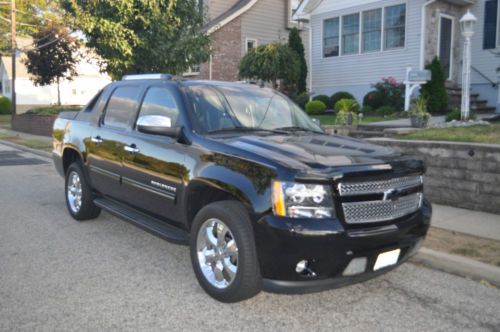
<point>423,24</point>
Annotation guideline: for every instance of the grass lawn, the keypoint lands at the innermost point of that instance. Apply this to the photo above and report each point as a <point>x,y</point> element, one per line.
<point>5,120</point>
<point>28,142</point>
<point>476,134</point>
<point>329,119</point>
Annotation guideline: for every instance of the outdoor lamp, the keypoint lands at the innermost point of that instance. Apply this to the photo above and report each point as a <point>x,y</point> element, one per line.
<point>467,23</point>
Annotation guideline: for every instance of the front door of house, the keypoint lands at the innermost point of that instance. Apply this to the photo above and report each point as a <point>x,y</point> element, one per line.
<point>445,46</point>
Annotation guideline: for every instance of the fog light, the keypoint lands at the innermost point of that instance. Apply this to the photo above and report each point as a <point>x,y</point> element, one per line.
<point>356,266</point>
<point>301,266</point>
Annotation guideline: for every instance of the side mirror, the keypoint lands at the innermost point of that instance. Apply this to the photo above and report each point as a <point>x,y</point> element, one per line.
<point>158,125</point>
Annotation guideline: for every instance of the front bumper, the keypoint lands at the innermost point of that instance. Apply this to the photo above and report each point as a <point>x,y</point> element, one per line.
<point>329,247</point>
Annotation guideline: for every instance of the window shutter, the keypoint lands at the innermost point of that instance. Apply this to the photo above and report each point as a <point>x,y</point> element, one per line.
<point>490,24</point>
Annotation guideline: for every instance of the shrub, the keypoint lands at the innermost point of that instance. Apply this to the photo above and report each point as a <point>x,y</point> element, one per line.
<point>5,106</point>
<point>347,105</point>
<point>302,99</point>
<point>418,113</point>
<point>337,96</point>
<point>386,110</point>
<point>367,109</point>
<point>391,92</point>
<point>315,107</point>
<point>435,90</point>
<point>53,110</point>
<point>373,99</point>
<point>324,98</point>
<point>346,118</point>
<point>453,115</point>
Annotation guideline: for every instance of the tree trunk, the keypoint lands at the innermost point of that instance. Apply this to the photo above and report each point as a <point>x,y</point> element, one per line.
<point>58,93</point>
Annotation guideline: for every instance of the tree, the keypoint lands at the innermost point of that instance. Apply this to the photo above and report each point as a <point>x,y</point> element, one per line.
<point>434,91</point>
<point>30,16</point>
<point>270,63</point>
<point>134,36</point>
<point>54,56</point>
<point>295,43</point>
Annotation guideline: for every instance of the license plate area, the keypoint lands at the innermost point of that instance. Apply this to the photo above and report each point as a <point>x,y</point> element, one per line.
<point>386,259</point>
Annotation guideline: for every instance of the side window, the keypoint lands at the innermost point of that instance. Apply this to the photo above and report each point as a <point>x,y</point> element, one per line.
<point>160,101</point>
<point>91,104</point>
<point>122,107</point>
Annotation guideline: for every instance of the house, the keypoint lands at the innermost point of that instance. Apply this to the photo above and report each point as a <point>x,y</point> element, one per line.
<point>354,43</point>
<point>236,26</point>
<point>75,92</point>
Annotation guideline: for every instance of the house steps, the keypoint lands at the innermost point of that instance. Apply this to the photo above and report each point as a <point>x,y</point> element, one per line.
<point>476,105</point>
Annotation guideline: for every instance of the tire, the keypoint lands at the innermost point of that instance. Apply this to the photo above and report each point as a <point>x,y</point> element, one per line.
<point>246,282</point>
<point>79,198</point>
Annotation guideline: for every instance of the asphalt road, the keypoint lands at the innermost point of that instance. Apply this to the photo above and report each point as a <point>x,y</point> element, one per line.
<point>60,275</point>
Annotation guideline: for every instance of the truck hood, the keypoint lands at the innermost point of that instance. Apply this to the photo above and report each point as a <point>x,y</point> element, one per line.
<point>313,151</point>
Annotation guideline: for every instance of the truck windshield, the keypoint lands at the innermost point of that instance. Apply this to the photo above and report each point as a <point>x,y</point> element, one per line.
<point>244,108</point>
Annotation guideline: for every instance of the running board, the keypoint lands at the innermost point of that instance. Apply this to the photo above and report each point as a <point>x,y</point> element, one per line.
<point>141,220</point>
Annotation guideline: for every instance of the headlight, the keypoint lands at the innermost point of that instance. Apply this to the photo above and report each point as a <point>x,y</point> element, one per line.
<point>297,200</point>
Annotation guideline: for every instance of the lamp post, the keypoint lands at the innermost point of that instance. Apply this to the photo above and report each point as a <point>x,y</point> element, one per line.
<point>467,23</point>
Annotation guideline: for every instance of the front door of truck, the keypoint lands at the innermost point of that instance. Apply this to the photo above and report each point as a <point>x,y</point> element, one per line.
<point>153,169</point>
<point>108,142</point>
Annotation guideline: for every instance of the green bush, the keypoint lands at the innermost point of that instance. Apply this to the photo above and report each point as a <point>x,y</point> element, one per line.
<point>347,105</point>
<point>391,92</point>
<point>435,90</point>
<point>346,118</point>
<point>53,110</point>
<point>5,106</point>
<point>339,95</point>
<point>315,107</point>
<point>386,110</point>
<point>302,99</point>
<point>324,98</point>
<point>373,99</point>
<point>453,115</point>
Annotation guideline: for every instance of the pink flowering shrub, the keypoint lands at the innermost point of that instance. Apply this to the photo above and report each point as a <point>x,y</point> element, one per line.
<point>391,92</point>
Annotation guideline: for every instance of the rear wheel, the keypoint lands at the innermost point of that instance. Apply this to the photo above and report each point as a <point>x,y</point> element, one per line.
<point>79,198</point>
<point>223,252</point>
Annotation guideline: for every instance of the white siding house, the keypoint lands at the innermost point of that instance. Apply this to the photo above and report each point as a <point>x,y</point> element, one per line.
<point>75,92</point>
<point>355,43</point>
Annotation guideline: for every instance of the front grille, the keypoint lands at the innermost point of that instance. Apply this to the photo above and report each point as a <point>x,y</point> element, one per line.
<point>378,186</point>
<point>378,211</point>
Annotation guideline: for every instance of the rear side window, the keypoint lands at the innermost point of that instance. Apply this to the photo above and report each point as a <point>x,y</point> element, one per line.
<point>160,101</point>
<point>122,107</point>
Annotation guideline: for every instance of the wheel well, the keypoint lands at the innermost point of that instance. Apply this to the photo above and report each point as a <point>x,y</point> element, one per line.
<point>203,195</point>
<point>69,157</point>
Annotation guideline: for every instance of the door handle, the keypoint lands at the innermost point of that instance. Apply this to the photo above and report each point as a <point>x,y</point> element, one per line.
<point>96,139</point>
<point>131,148</point>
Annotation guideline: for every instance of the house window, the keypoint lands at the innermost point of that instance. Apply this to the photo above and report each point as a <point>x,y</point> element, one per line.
<point>350,34</point>
<point>394,26</point>
<point>490,24</point>
<point>331,37</point>
<point>372,30</point>
<point>250,45</point>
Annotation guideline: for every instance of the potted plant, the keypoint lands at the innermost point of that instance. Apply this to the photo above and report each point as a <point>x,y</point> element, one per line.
<point>347,110</point>
<point>419,116</point>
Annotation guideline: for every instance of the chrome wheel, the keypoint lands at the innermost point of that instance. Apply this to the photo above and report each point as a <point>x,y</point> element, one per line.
<point>217,253</point>
<point>74,192</point>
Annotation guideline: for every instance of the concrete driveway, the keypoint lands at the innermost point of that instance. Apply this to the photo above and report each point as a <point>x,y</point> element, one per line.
<point>60,275</point>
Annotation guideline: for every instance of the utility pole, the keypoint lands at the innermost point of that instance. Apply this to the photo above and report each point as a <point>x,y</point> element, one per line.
<point>14,51</point>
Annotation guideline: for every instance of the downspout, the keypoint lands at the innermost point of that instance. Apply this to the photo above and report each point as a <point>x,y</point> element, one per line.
<point>422,32</point>
<point>210,68</point>
<point>310,58</point>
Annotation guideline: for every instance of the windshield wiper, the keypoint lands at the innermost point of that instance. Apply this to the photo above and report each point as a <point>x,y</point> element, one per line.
<point>247,129</point>
<point>297,128</point>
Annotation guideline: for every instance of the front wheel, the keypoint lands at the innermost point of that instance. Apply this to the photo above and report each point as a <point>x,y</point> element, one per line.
<point>79,198</point>
<point>223,252</point>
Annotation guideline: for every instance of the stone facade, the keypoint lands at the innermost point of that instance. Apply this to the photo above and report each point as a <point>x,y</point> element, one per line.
<point>465,175</point>
<point>34,124</point>
<point>226,56</point>
<point>433,15</point>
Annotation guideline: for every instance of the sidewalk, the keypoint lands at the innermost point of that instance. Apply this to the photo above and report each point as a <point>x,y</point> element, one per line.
<point>476,223</point>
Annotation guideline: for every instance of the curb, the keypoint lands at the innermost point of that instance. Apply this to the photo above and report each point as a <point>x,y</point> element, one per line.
<point>26,149</point>
<point>458,265</point>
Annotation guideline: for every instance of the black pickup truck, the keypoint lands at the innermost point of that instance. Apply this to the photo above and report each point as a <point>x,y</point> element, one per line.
<point>264,198</point>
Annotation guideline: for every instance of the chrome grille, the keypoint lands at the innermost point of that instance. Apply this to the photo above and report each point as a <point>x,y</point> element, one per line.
<point>377,211</point>
<point>378,186</point>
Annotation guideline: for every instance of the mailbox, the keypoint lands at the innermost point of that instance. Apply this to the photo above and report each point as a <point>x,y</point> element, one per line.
<point>419,75</point>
